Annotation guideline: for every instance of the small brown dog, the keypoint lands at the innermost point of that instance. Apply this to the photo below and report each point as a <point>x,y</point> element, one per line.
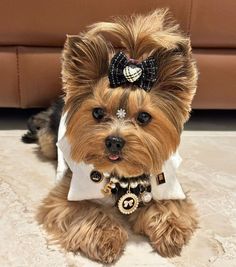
<point>129,85</point>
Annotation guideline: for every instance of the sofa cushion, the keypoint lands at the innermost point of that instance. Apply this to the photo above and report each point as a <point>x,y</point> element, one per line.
<point>9,78</point>
<point>39,75</point>
<point>213,23</point>
<point>216,86</point>
<point>30,77</point>
<point>46,23</point>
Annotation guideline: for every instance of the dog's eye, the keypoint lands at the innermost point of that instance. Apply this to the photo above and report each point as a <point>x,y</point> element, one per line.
<point>144,118</point>
<point>98,113</point>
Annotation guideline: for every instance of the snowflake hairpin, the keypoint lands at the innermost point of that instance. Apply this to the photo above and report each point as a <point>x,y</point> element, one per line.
<point>121,113</point>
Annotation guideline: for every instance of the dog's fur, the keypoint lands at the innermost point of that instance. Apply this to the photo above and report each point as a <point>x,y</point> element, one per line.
<point>99,231</point>
<point>43,129</point>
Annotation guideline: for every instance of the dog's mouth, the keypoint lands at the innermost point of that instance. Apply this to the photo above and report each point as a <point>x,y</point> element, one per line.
<point>114,157</point>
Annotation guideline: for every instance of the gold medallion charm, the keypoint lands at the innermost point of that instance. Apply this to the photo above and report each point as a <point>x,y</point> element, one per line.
<point>128,203</point>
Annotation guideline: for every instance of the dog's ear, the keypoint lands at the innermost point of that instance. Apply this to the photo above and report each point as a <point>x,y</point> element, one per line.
<point>176,79</point>
<point>84,61</point>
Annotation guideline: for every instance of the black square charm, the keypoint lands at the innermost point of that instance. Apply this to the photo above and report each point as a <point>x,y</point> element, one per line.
<point>160,178</point>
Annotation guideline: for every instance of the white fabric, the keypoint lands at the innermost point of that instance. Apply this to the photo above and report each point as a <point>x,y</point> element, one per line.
<point>61,164</point>
<point>171,189</point>
<point>82,187</point>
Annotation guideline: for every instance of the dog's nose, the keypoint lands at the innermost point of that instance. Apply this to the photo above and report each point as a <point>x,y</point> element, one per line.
<point>114,143</point>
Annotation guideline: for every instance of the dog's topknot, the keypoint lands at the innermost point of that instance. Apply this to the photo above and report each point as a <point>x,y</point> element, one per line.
<point>141,34</point>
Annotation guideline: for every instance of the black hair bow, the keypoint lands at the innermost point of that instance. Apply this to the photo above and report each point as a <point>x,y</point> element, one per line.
<point>124,71</point>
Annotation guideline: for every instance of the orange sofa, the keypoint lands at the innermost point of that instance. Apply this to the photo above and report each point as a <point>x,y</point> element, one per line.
<point>32,34</point>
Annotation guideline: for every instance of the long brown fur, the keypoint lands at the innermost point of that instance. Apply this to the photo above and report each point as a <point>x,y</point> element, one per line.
<point>169,224</point>
<point>81,226</point>
<point>88,227</point>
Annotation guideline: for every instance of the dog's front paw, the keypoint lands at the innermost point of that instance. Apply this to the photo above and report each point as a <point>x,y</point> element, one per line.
<point>168,224</point>
<point>170,243</point>
<point>81,226</point>
<point>109,243</point>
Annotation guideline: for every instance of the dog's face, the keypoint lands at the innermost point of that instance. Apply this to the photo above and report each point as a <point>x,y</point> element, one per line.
<point>149,130</point>
<point>130,146</point>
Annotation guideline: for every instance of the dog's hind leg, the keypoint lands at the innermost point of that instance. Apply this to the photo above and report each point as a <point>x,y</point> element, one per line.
<point>47,143</point>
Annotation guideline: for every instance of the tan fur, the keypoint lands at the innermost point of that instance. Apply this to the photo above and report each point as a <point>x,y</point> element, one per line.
<point>46,141</point>
<point>86,226</point>
<point>81,226</point>
<point>169,224</point>
<point>45,137</point>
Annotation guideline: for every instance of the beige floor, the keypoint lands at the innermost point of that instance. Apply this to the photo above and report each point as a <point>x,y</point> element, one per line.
<point>208,172</point>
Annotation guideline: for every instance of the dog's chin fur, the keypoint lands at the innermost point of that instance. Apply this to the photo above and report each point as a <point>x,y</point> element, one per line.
<point>88,227</point>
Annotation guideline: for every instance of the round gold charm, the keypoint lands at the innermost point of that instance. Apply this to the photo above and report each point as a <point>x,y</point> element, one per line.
<point>128,203</point>
<point>96,176</point>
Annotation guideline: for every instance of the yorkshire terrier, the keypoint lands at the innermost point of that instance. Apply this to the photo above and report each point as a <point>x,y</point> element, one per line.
<point>128,88</point>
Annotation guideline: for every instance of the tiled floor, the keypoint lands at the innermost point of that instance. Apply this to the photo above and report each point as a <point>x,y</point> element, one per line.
<point>208,171</point>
